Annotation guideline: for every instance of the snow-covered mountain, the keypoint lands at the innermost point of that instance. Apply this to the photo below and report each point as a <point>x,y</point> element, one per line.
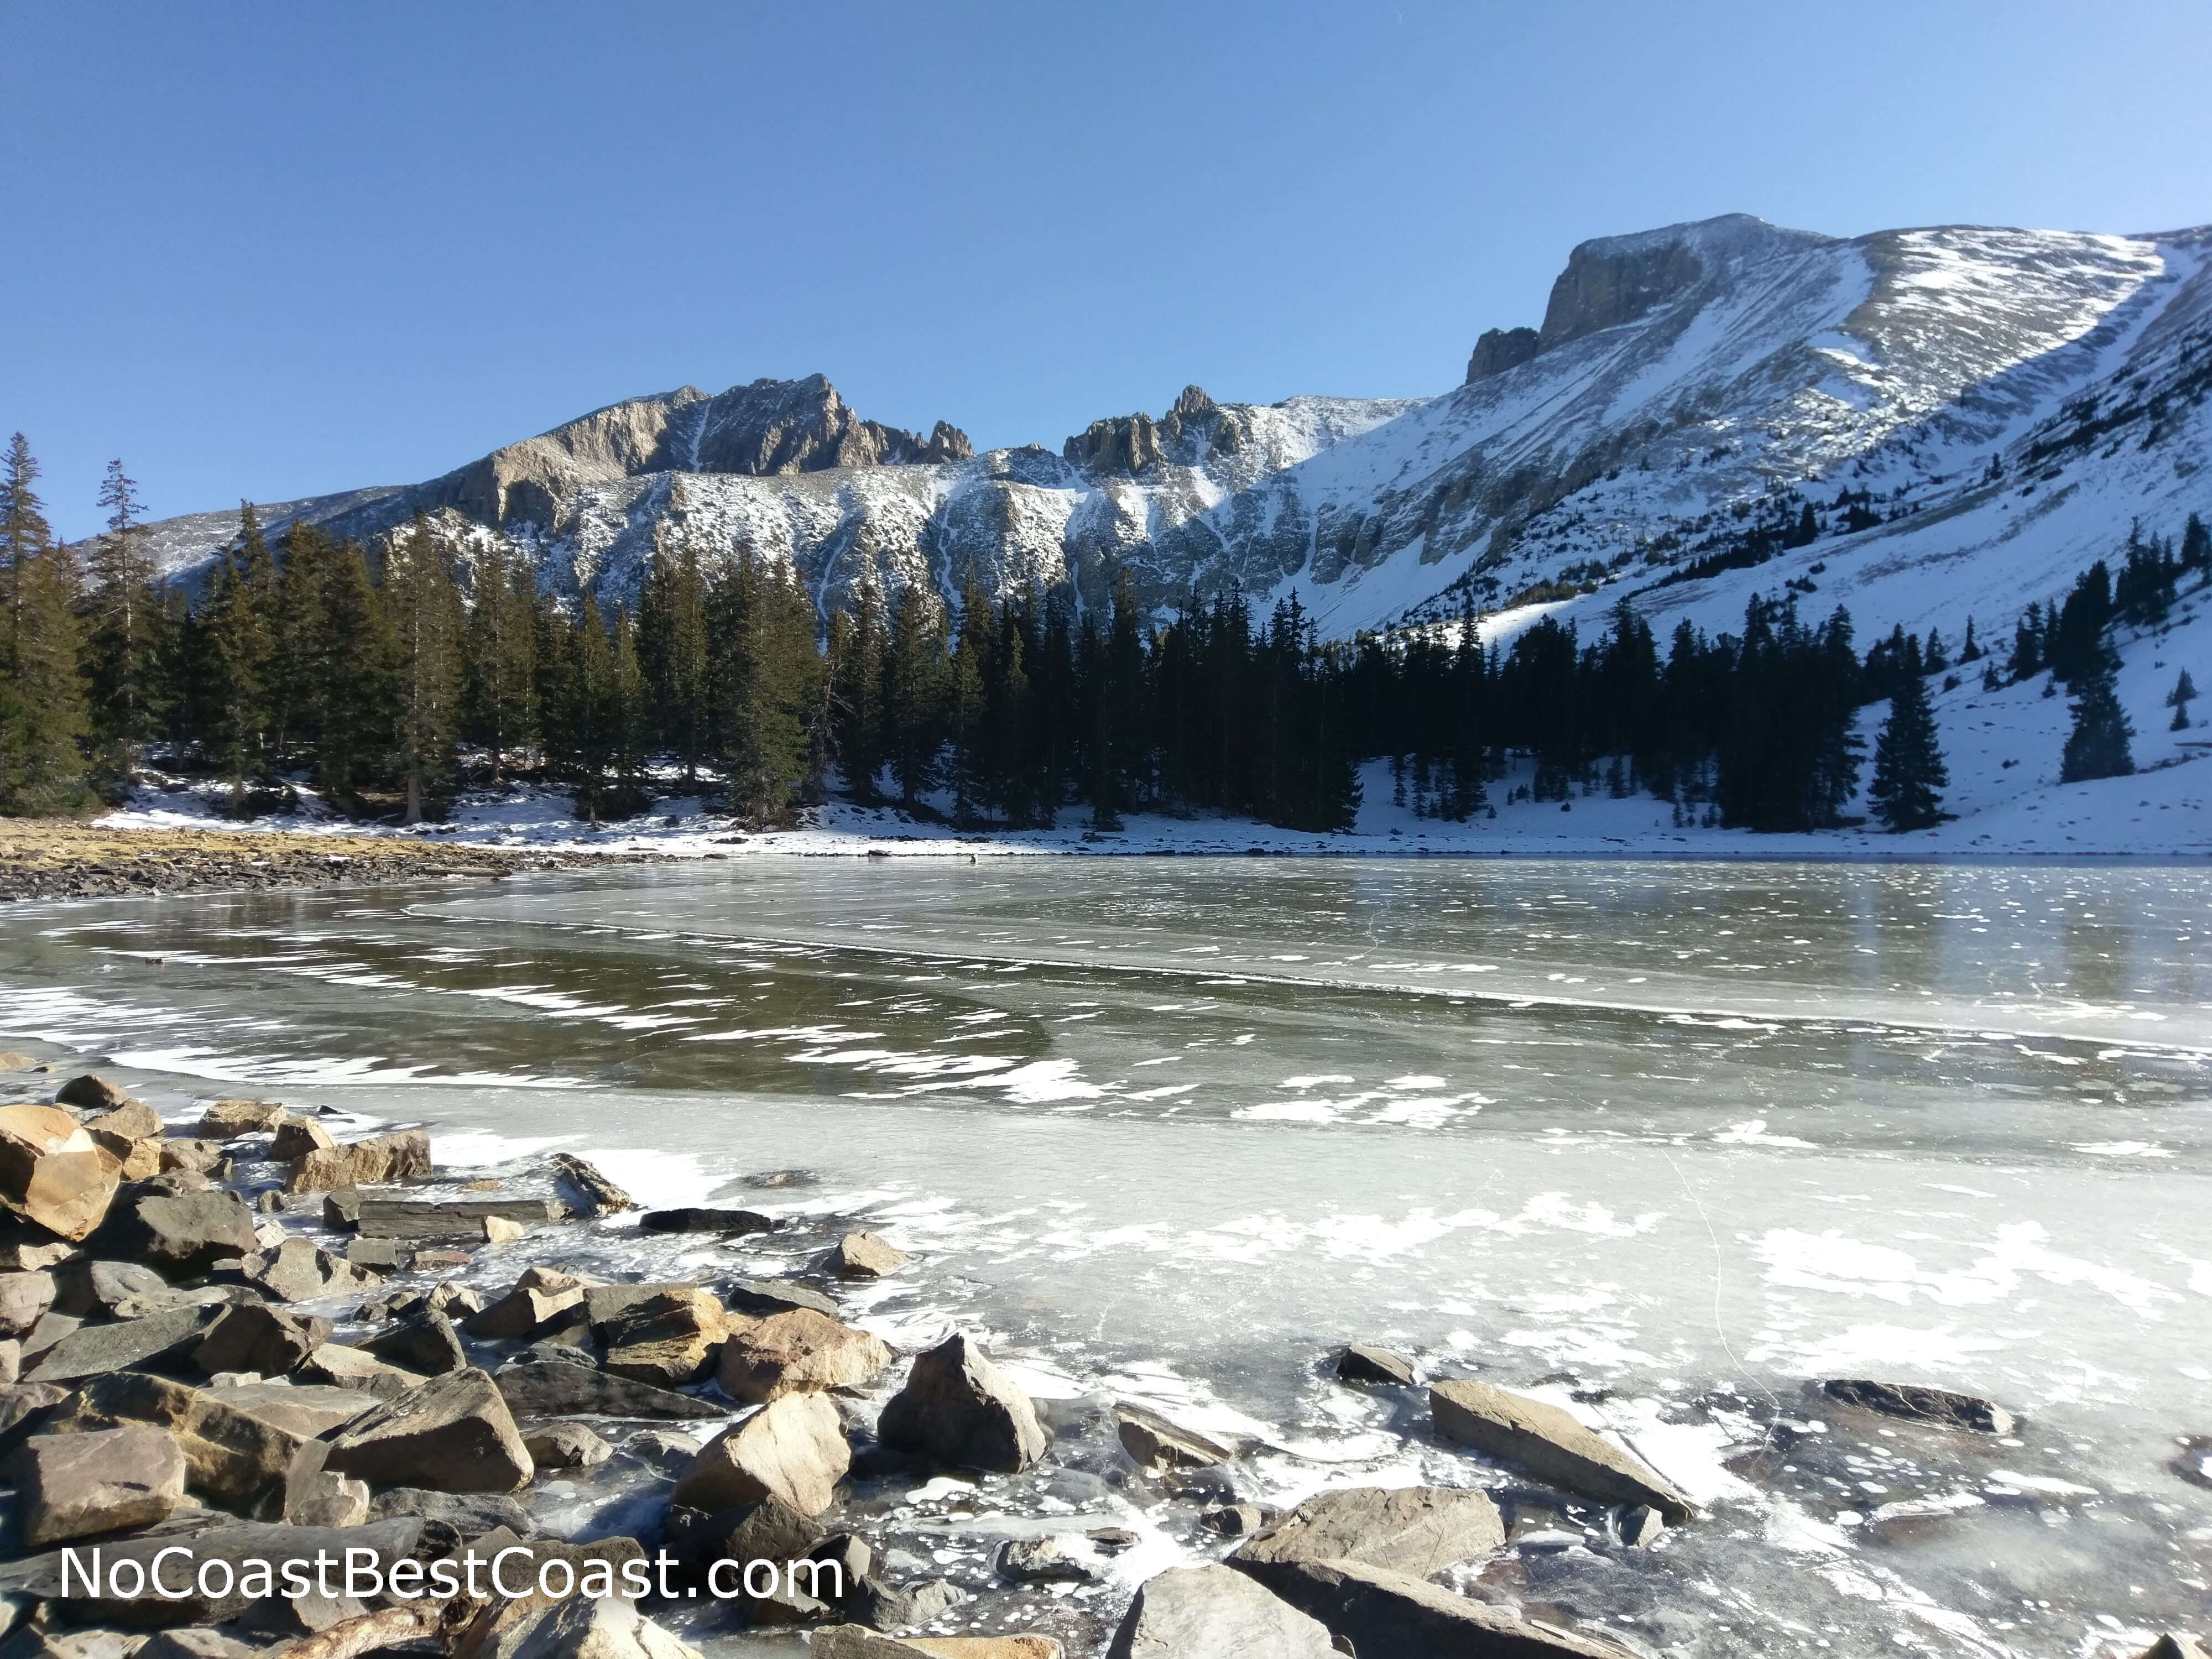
<point>1684,382</point>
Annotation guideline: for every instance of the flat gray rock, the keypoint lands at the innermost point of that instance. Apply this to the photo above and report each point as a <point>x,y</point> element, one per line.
<point>1212,1613</point>
<point>1542,1440</point>
<point>553,1388</point>
<point>91,1350</point>
<point>1921,1405</point>
<point>1393,1616</point>
<point>1417,1530</point>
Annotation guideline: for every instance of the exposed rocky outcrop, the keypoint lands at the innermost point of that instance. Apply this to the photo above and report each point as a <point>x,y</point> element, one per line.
<point>77,1484</point>
<point>1921,1405</point>
<point>789,1353</point>
<point>1501,349</point>
<point>1544,1440</point>
<point>1212,1612</point>
<point>793,1449</point>
<point>1415,1529</point>
<point>52,1173</point>
<point>960,1410</point>
<point>455,1433</point>
<point>1393,1615</point>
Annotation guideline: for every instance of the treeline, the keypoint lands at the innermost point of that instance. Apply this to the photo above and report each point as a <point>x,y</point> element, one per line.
<point>385,679</point>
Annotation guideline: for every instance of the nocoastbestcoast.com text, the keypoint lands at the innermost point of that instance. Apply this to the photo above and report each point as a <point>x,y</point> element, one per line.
<point>177,1574</point>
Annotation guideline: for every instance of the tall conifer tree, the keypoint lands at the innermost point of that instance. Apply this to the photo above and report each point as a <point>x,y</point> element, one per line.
<point>422,605</point>
<point>1908,766</point>
<point>42,712</point>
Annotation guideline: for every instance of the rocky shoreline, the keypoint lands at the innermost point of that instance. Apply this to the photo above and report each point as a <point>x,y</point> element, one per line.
<point>240,1338</point>
<point>54,859</point>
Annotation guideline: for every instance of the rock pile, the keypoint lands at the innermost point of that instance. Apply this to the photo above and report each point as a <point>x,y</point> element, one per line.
<point>292,1374</point>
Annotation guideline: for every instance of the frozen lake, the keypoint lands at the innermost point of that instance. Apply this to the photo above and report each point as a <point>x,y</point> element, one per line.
<point>1668,1139</point>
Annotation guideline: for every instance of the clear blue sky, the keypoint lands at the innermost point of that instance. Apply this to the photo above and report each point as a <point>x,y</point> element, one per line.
<point>274,249</point>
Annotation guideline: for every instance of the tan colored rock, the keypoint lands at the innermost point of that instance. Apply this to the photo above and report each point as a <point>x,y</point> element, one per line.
<point>75,1485</point>
<point>322,1499</point>
<point>197,1156</point>
<point>52,1172</point>
<point>1419,1530</point>
<point>585,1186</point>
<point>133,1120</point>
<point>864,1255</point>
<point>252,1336</point>
<point>342,1366</point>
<point>231,1458</point>
<point>12,1061</point>
<point>24,1299</point>
<point>1544,1440</point>
<point>402,1156</point>
<point>1157,1444</point>
<point>135,1160</point>
<point>959,1409</point>
<point>30,1251</point>
<point>792,1352</point>
<point>11,1363</point>
<point>498,1229</point>
<point>298,1136</point>
<point>454,1433</point>
<point>793,1449</point>
<point>1213,1613</point>
<point>580,1627</point>
<point>566,1446</point>
<point>525,1310</point>
<point>93,1093</point>
<point>227,1120</point>
<point>667,1338</point>
<point>300,1270</point>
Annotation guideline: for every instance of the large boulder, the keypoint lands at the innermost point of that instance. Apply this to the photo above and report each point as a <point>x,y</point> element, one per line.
<point>1919,1404</point>
<point>588,1191</point>
<point>566,1446</point>
<point>252,1336</point>
<point>235,1459</point>
<point>1547,1442</point>
<point>767,1529</point>
<point>180,1235</point>
<point>75,1485</point>
<point>960,1410</point>
<point>789,1353</point>
<point>1157,1443</point>
<point>793,1449</point>
<point>434,1219</point>
<point>321,1498</point>
<point>454,1433</point>
<point>298,1136</point>
<point>426,1345</point>
<point>1212,1612</point>
<point>607,1627</point>
<point>1419,1530</point>
<point>340,1366</point>
<point>667,1338</point>
<point>131,1119</point>
<point>864,1255</point>
<point>542,1300</point>
<point>556,1388</point>
<point>228,1120</point>
<point>761,1297</point>
<point>90,1350</point>
<point>1393,1615</point>
<point>24,1299</point>
<point>309,1410</point>
<point>53,1173</point>
<point>94,1093</point>
<point>301,1270</point>
<point>697,1220</point>
<point>1364,1362</point>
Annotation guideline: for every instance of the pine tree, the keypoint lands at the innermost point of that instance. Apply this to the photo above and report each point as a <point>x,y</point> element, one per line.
<point>2098,747</point>
<point>672,652</point>
<point>915,674</point>
<point>965,708</point>
<point>1908,766</point>
<point>2195,544</point>
<point>422,605</point>
<point>357,689</point>
<point>858,664</point>
<point>773,693</point>
<point>122,639</point>
<point>499,692</point>
<point>630,713</point>
<point>237,623</point>
<point>42,713</point>
<point>2178,699</point>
